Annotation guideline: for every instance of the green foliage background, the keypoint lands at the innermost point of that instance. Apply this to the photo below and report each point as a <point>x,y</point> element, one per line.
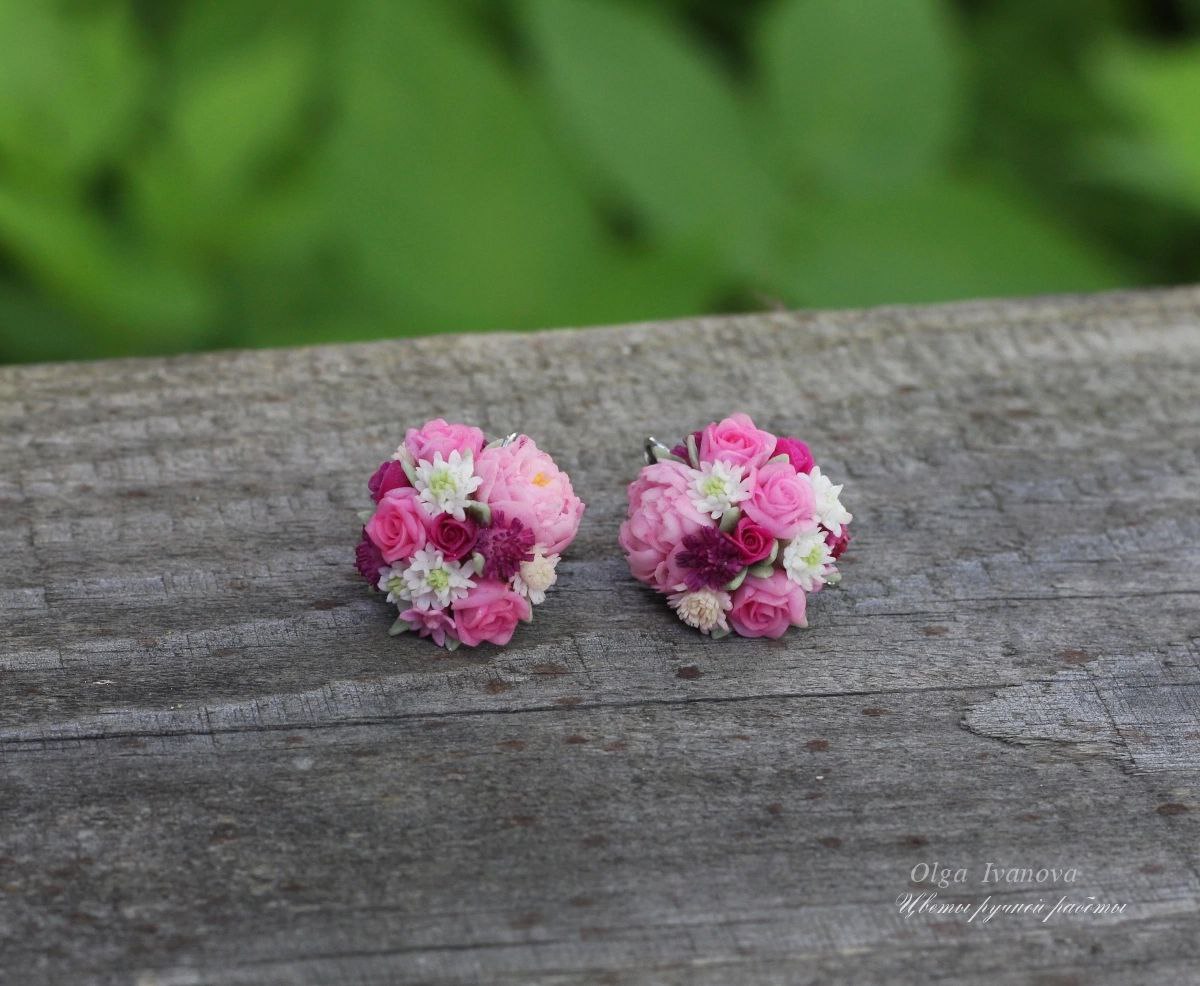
<point>182,175</point>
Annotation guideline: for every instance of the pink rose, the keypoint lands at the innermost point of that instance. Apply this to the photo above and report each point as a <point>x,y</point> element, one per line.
<point>439,435</point>
<point>752,539</point>
<point>521,481</point>
<point>454,538</point>
<point>387,477</point>
<point>661,515</point>
<point>767,607</point>
<point>797,452</point>
<point>489,612</point>
<point>782,500</point>
<point>397,528</point>
<point>736,440</point>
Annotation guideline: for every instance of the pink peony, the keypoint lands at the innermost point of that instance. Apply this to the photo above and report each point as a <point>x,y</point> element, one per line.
<point>737,441</point>
<point>522,481</point>
<point>387,477</point>
<point>397,528</point>
<point>490,612</point>
<point>439,435</point>
<point>661,515</point>
<point>782,500</point>
<point>435,623</point>
<point>767,607</point>
<point>797,452</point>
<point>752,539</point>
<point>453,538</point>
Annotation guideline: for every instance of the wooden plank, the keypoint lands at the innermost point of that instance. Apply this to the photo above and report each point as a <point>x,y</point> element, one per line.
<point>217,766</point>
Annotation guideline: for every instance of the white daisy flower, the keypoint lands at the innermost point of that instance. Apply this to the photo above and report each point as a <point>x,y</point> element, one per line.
<point>705,610</point>
<point>391,581</point>
<point>830,511</point>
<point>808,561</point>
<point>536,576</point>
<point>717,486</point>
<point>446,485</point>
<point>432,582</point>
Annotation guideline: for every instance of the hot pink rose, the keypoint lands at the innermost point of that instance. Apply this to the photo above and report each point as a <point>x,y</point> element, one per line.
<point>454,538</point>
<point>439,435</point>
<point>521,481</point>
<point>661,515</point>
<point>490,611</point>
<point>397,527</point>
<point>736,440</point>
<point>767,607</point>
<point>752,539</point>
<point>782,500</point>
<point>387,477</point>
<point>797,452</point>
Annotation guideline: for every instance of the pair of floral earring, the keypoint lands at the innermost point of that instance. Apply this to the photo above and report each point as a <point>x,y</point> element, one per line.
<point>734,525</point>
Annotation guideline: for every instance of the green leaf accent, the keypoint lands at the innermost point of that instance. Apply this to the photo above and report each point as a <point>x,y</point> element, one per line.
<point>736,582</point>
<point>762,570</point>
<point>730,518</point>
<point>480,511</point>
<point>399,627</point>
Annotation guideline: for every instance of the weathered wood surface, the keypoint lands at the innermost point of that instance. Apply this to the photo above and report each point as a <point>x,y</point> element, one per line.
<point>218,768</point>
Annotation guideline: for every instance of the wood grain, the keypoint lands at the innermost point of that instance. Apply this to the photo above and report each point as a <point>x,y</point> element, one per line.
<point>218,768</point>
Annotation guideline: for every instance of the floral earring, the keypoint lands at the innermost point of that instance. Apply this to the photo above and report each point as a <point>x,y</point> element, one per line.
<point>735,526</point>
<point>465,536</point>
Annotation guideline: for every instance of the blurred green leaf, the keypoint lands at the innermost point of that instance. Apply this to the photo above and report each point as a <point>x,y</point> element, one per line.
<point>70,88</point>
<point>74,256</point>
<point>461,213</point>
<point>227,128</point>
<point>933,242</point>
<point>658,122</point>
<point>1159,91</point>
<point>865,93</point>
<point>34,328</point>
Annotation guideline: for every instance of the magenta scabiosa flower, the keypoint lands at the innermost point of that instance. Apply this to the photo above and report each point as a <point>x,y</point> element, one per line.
<point>504,545</point>
<point>710,559</point>
<point>368,559</point>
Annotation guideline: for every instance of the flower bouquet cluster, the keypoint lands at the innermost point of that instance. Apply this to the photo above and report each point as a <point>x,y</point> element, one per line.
<point>734,526</point>
<point>465,536</point>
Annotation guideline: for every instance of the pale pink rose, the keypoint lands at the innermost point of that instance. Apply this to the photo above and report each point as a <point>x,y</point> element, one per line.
<point>521,481</point>
<point>435,623</point>
<point>782,500</point>
<point>490,612</point>
<point>439,435</point>
<point>661,515</point>
<point>397,528</point>
<point>767,607</point>
<point>737,441</point>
